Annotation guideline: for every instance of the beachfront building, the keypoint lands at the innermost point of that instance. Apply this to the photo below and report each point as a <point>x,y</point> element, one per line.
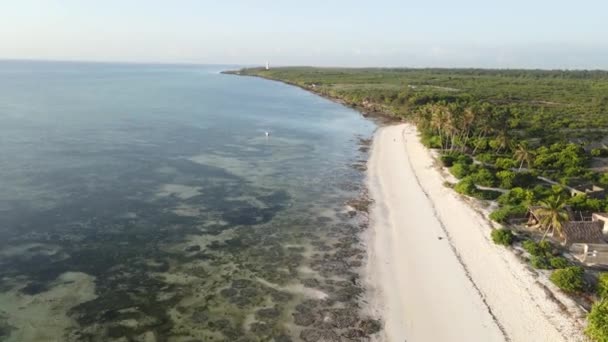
<point>580,228</point>
<point>583,232</point>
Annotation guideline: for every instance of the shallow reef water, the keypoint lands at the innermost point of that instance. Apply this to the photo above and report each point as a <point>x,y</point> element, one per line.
<point>144,203</point>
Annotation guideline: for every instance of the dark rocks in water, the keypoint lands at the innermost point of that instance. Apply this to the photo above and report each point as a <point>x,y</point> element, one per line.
<point>305,313</point>
<point>323,219</point>
<point>228,293</point>
<point>219,324</point>
<point>313,335</point>
<point>194,248</point>
<point>338,318</point>
<point>364,149</point>
<point>283,338</point>
<point>268,313</point>
<point>225,327</point>
<point>370,326</point>
<point>360,204</point>
<point>5,328</point>
<point>356,263</point>
<point>310,282</point>
<point>354,334</point>
<point>304,318</point>
<point>34,288</point>
<point>279,296</point>
<point>240,301</point>
<point>347,293</point>
<point>260,328</point>
<point>348,252</point>
<point>199,316</point>
<point>250,292</point>
<point>359,166</point>
<point>242,283</point>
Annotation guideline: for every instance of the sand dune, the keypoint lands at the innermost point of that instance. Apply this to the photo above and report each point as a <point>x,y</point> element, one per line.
<point>433,272</point>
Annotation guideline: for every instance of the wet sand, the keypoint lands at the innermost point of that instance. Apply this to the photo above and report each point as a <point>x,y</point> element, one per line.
<point>433,271</point>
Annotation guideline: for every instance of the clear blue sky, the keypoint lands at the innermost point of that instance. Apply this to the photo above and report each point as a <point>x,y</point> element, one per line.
<point>467,33</point>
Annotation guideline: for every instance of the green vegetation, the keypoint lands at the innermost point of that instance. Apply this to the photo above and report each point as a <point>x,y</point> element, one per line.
<point>569,279</point>
<point>543,248</point>
<point>597,327</point>
<point>543,255</point>
<point>559,262</point>
<point>553,215</point>
<point>503,237</point>
<point>602,285</point>
<point>467,187</point>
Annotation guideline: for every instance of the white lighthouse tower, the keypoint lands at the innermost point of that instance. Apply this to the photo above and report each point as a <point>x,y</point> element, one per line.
<point>267,65</point>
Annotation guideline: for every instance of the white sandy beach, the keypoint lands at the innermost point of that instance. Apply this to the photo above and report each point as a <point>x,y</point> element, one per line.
<point>434,273</point>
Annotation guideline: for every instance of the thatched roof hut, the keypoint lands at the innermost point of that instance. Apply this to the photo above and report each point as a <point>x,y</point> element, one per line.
<point>583,232</point>
<point>533,219</point>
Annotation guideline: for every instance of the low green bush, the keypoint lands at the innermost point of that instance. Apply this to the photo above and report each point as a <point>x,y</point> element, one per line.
<point>602,285</point>
<point>465,187</point>
<point>463,158</point>
<point>484,177</point>
<point>569,279</point>
<point>486,158</point>
<point>506,179</point>
<point>447,160</point>
<point>559,262</point>
<point>503,237</point>
<point>517,196</point>
<point>524,179</point>
<point>488,195</point>
<point>460,170</point>
<point>505,163</point>
<point>546,247</point>
<point>540,262</point>
<point>533,248</point>
<point>501,215</point>
<point>543,248</point>
<point>431,141</point>
<point>597,322</point>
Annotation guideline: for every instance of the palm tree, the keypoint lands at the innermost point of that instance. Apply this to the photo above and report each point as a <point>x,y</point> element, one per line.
<point>437,121</point>
<point>503,139</point>
<point>552,215</point>
<point>523,154</point>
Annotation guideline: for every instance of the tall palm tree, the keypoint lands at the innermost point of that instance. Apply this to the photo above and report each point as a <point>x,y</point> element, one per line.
<point>437,121</point>
<point>523,154</point>
<point>468,118</point>
<point>552,215</point>
<point>503,138</point>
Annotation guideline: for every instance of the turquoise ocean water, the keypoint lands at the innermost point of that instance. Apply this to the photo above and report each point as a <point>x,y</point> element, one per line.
<point>145,203</point>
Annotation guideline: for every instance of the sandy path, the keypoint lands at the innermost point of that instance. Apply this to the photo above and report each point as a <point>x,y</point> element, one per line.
<point>434,273</point>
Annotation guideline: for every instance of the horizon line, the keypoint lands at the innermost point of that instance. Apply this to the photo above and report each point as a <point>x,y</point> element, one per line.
<point>248,65</point>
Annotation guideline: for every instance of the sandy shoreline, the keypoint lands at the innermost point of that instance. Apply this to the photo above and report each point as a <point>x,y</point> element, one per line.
<point>433,272</point>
